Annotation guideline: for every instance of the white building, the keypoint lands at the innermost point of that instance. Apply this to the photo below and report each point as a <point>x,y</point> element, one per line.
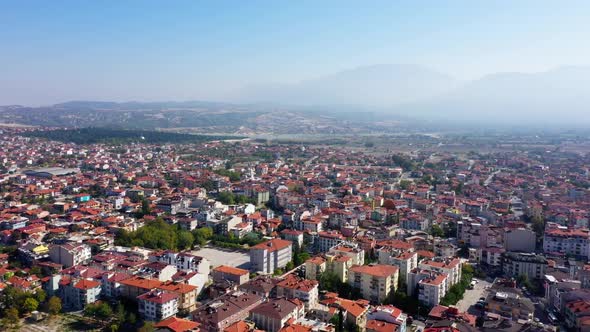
<point>562,240</point>
<point>268,256</point>
<point>157,305</point>
<point>70,254</point>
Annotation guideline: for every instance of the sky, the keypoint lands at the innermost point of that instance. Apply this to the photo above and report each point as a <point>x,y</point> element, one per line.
<point>54,51</point>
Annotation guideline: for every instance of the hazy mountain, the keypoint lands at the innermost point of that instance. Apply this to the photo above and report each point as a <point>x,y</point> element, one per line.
<point>377,85</point>
<point>557,96</point>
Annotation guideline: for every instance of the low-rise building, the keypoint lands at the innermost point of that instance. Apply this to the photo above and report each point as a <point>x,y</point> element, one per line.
<point>233,274</point>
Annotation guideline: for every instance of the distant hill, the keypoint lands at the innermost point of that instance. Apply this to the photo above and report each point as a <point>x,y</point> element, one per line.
<point>369,86</point>
<point>559,96</point>
<point>117,136</point>
<point>365,99</point>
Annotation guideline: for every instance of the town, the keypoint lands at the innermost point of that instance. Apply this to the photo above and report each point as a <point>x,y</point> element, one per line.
<point>425,233</point>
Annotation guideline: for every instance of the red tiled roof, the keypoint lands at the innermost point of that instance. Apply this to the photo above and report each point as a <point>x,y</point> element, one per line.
<point>178,324</point>
<point>375,270</point>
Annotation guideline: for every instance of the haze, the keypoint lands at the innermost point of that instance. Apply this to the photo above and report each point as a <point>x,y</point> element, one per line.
<point>437,58</point>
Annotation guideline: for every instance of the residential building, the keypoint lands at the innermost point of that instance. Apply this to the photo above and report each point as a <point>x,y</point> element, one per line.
<point>226,310</point>
<point>268,256</point>
<point>271,316</point>
<point>569,241</point>
<point>157,305</point>
<point>388,314</point>
<point>233,274</point>
<point>70,254</point>
<point>528,264</point>
<point>375,282</point>
<point>293,287</point>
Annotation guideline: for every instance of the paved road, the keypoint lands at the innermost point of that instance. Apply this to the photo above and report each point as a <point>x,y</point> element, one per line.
<point>471,296</point>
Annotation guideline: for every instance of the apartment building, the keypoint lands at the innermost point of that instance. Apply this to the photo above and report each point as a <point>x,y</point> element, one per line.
<point>567,241</point>
<point>529,264</point>
<point>70,254</point>
<point>293,287</point>
<point>405,260</point>
<point>374,281</point>
<point>268,256</point>
<point>271,316</point>
<point>448,266</point>
<point>157,305</point>
<point>353,251</point>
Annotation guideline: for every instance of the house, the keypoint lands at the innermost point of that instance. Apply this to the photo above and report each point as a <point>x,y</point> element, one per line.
<point>157,305</point>
<point>375,282</point>
<point>268,256</point>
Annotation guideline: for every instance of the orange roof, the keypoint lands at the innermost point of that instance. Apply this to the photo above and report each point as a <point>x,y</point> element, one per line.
<point>380,326</point>
<point>87,284</point>
<point>230,270</point>
<point>141,283</point>
<point>377,270</point>
<point>178,324</point>
<point>295,328</point>
<point>272,245</point>
<point>177,287</point>
<point>240,326</point>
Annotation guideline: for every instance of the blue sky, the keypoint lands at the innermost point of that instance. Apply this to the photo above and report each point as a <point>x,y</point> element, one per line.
<point>54,51</point>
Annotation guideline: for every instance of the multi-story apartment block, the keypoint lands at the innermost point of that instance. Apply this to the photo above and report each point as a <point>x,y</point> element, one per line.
<point>404,259</point>
<point>375,282</point>
<point>529,264</point>
<point>450,267</point>
<point>268,256</point>
<point>157,305</point>
<point>567,241</point>
<point>327,240</point>
<point>70,254</point>
<point>353,251</point>
<point>293,287</point>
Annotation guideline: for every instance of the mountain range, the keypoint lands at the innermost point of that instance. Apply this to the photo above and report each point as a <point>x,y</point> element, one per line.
<point>341,101</point>
<point>560,95</point>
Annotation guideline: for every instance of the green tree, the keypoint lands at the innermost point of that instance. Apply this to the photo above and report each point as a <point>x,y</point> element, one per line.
<point>202,235</point>
<point>131,318</point>
<point>54,305</point>
<point>30,304</point>
<point>436,231</point>
<point>405,184</point>
<point>185,239</point>
<point>145,207</point>
<point>11,317</point>
<point>147,327</point>
<point>40,295</point>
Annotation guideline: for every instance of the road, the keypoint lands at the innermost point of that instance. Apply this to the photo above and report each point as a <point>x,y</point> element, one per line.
<point>471,296</point>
